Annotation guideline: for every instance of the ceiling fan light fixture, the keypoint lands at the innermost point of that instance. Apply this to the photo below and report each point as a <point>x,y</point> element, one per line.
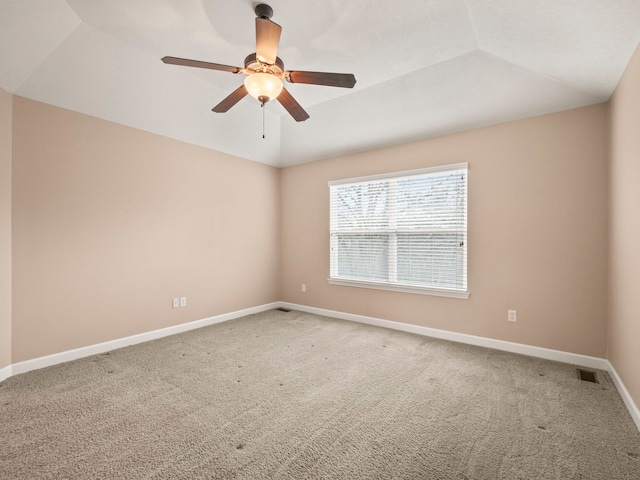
<point>263,86</point>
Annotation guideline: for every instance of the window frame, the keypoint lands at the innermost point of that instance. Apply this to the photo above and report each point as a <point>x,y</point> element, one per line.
<point>334,279</point>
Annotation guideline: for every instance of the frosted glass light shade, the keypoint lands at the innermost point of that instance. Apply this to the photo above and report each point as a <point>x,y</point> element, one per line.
<point>263,86</point>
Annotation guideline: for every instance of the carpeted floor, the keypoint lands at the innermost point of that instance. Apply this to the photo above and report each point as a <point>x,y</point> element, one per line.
<point>296,396</point>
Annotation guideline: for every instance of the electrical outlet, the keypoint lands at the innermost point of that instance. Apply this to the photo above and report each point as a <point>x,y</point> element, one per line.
<point>183,301</point>
<point>511,315</point>
<point>176,302</point>
<point>303,287</point>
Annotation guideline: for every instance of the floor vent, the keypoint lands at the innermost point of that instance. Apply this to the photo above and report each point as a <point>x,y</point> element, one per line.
<point>587,376</point>
<point>280,309</point>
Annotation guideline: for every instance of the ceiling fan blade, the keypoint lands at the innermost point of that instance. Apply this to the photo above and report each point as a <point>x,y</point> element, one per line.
<point>237,95</point>
<point>197,63</point>
<point>267,40</point>
<point>292,106</point>
<point>345,80</point>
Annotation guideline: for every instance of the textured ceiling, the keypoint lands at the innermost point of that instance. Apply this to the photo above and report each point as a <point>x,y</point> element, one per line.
<point>424,67</point>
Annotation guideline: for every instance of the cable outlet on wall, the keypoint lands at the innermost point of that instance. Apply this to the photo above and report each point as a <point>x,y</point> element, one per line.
<point>303,287</point>
<point>511,315</point>
<point>176,302</point>
<point>183,301</point>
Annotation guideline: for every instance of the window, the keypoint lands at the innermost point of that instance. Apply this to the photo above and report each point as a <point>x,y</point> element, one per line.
<point>404,231</point>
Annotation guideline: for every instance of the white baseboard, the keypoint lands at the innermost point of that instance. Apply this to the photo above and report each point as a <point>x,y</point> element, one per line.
<point>557,355</point>
<point>56,358</point>
<point>6,372</point>
<point>624,393</point>
<point>539,352</point>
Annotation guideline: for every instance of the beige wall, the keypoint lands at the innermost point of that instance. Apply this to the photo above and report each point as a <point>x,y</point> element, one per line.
<point>111,222</point>
<point>624,255</point>
<point>538,196</point>
<point>6,101</point>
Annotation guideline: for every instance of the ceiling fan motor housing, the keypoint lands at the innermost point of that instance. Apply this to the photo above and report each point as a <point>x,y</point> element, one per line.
<point>253,64</point>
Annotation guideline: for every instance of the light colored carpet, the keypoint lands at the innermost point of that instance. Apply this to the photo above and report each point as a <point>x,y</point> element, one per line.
<point>296,396</point>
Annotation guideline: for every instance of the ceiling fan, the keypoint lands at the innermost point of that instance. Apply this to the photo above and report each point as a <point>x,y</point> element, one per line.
<point>265,71</point>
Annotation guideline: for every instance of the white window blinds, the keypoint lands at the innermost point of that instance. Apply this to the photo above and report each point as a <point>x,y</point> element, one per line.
<point>405,231</point>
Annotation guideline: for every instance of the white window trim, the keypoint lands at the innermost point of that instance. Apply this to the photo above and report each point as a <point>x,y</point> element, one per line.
<point>440,292</point>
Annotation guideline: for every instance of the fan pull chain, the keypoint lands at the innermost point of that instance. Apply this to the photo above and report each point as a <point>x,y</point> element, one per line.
<point>262,119</point>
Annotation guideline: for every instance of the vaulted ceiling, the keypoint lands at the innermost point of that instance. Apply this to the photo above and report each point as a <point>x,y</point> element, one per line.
<point>423,67</point>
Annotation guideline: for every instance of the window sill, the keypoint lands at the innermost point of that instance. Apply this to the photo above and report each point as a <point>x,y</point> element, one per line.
<point>439,292</point>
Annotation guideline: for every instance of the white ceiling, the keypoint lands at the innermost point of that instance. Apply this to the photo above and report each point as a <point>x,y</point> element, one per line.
<point>424,67</point>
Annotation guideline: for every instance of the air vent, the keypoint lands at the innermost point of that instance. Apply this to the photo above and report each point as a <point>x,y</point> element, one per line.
<point>587,376</point>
